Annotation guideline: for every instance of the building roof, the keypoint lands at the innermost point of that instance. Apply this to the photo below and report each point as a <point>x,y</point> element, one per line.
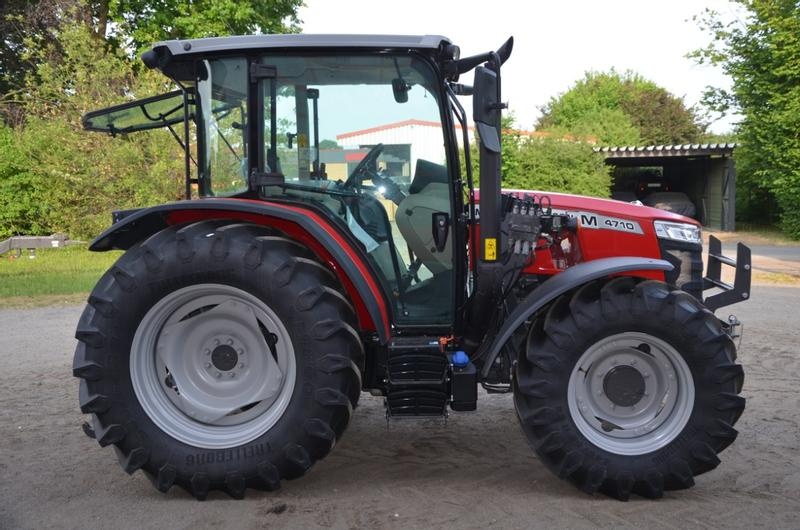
<point>657,151</point>
<point>388,126</point>
<point>300,40</point>
<point>471,128</point>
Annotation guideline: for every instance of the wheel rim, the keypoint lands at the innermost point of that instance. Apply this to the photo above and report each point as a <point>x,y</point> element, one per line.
<point>213,366</point>
<point>631,393</point>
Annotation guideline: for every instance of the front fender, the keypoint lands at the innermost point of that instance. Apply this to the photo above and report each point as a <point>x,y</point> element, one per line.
<point>561,283</point>
<point>301,223</point>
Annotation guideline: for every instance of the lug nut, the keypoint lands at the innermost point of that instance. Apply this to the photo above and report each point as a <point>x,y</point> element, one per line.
<point>207,351</point>
<point>241,365</point>
<point>232,374</point>
<point>218,375</point>
<point>230,341</point>
<point>208,365</point>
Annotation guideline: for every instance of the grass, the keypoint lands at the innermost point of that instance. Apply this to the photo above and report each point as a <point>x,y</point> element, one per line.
<point>775,278</point>
<point>54,274</point>
<point>754,234</point>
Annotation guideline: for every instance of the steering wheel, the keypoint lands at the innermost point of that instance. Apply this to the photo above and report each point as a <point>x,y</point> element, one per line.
<point>363,167</point>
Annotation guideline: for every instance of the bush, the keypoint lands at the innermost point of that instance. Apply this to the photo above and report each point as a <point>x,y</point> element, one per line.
<point>552,164</point>
<point>549,163</point>
<point>55,177</point>
<point>23,192</point>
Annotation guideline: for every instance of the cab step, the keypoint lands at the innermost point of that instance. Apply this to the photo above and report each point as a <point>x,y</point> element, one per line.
<point>417,378</point>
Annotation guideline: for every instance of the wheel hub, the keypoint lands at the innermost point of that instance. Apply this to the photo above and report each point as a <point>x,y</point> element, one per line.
<point>224,357</point>
<point>624,385</point>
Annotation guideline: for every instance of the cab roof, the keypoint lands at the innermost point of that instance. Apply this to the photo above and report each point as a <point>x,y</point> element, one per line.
<point>214,45</point>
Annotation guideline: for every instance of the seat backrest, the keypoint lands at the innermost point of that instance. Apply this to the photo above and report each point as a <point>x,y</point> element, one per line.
<point>426,173</point>
<point>415,223</point>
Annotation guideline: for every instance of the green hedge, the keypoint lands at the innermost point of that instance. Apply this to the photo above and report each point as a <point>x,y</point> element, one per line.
<point>55,177</point>
<point>550,164</point>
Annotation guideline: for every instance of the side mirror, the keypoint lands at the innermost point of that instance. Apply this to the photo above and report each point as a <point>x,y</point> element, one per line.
<point>486,107</point>
<point>440,222</point>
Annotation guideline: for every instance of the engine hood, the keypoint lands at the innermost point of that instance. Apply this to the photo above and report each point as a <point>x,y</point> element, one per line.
<point>566,201</point>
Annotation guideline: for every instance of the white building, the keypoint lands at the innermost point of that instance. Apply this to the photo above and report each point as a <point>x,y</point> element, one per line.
<point>404,143</point>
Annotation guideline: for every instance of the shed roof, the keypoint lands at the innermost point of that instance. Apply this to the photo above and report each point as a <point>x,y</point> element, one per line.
<point>657,151</point>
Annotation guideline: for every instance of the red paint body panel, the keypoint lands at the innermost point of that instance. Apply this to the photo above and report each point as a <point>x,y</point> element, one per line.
<point>298,233</point>
<point>591,244</point>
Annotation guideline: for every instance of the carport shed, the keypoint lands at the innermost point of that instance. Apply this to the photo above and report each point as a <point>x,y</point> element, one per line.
<point>706,173</point>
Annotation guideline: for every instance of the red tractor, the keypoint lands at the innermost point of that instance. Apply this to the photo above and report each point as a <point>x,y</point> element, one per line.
<point>228,346</point>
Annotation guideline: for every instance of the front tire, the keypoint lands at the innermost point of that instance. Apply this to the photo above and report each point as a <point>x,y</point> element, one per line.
<point>628,386</point>
<point>218,356</point>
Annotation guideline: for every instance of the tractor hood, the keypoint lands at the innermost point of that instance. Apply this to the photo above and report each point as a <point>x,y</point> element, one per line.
<point>629,210</point>
<point>609,206</point>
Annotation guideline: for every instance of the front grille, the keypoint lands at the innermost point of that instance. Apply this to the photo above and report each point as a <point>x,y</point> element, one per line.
<point>687,258</point>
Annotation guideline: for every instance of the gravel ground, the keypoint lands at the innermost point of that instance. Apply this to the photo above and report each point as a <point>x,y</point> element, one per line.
<point>475,472</point>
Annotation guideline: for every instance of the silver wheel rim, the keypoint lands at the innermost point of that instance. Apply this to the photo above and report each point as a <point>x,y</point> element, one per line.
<point>645,413</point>
<point>213,366</point>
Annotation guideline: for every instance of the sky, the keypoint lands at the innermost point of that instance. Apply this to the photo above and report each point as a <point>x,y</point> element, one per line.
<point>555,42</point>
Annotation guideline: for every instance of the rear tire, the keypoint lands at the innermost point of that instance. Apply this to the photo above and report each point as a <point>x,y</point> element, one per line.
<point>627,387</point>
<point>218,284</point>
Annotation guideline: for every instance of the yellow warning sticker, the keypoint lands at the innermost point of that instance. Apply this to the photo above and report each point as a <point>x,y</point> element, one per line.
<point>490,249</point>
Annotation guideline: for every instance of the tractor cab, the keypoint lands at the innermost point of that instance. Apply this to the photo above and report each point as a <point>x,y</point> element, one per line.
<point>364,138</point>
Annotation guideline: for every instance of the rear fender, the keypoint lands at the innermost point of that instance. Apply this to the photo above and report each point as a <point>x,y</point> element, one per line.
<point>561,283</point>
<point>302,224</point>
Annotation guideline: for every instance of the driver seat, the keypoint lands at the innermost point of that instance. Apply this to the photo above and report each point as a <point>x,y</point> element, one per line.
<point>429,193</point>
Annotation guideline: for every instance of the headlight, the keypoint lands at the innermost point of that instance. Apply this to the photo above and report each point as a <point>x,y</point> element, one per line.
<point>678,231</point>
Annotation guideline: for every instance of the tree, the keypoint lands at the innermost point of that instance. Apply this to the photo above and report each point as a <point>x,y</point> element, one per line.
<point>129,25</point>
<point>621,109</point>
<point>143,22</point>
<point>54,177</point>
<point>760,51</point>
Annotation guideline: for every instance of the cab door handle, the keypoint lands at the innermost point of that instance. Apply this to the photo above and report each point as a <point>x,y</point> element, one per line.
<point>440,222</point>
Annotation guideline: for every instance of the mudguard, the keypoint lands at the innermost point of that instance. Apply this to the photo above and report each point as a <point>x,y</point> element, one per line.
<point>302,223</point>
<point>559,284</point>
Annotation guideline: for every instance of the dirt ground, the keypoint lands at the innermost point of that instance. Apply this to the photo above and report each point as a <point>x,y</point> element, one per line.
<point>475,472</point>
